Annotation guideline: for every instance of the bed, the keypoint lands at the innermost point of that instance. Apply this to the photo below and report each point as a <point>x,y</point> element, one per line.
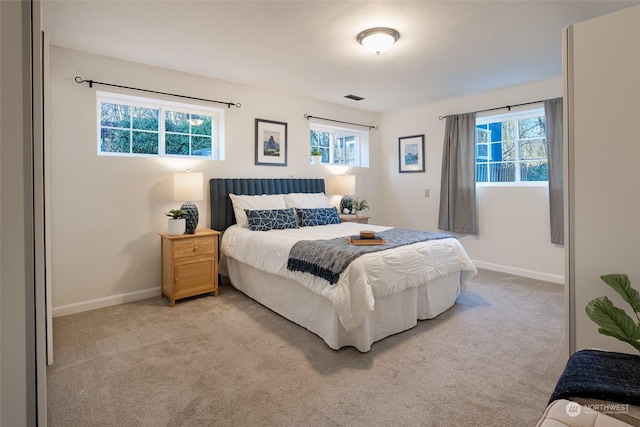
<point>378,294</point>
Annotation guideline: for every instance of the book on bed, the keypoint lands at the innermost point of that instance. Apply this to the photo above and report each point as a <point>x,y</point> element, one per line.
<point>357,240</point>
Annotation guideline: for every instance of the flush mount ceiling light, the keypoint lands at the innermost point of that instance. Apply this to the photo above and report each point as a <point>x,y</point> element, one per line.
<point>378,40</point>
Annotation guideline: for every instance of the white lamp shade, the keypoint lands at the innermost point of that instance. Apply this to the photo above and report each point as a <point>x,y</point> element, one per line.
<point>345,185</point>
<point>188,186</point>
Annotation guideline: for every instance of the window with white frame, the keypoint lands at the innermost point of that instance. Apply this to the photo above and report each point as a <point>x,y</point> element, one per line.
<point>135,126</point>
<point>512,148</point>
<point>340,146</point>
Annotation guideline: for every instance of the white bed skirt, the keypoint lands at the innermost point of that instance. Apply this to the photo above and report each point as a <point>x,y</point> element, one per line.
<point>392,314</point>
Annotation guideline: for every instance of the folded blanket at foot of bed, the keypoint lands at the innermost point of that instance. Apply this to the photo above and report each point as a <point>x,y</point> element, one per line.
<point>601,375</point>
<point>328,258</point>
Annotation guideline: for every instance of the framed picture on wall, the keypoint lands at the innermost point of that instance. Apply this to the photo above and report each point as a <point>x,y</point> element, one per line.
<point>271,143</point>
<point>411,153</point>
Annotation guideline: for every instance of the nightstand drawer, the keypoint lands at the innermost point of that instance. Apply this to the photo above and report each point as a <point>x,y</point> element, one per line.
<point>193,247</point>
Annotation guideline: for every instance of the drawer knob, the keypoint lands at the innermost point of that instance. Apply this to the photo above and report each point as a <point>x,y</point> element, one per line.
<point>176,279</point>
<point>195,248</point>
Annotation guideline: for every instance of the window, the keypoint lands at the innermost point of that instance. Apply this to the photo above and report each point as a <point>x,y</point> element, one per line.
<point>134,126</point>
<point>512,148</point>
<point>340,146</point>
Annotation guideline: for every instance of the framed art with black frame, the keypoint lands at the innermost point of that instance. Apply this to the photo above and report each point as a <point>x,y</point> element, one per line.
<point>411,153</point>
<point>271,143</point>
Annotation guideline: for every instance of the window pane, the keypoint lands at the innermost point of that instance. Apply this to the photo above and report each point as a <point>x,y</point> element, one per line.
<point>319,140</point>
<point>177,144</point>
<point>482,172</point>
<point>201,146</point>
<point>114,141</point>
<point>145,142</point>
<point>508,131</point>
<point>508,151</point>
<point>534,170</point>
<point>533,127</point>
<point>114,115</point>
<point>533,149</point>
<point>201,129</point>
<point>495,131</point>
<point>502,172</point>
<point>176,122</point>
<point>482,136</point>
<point>145,118</point>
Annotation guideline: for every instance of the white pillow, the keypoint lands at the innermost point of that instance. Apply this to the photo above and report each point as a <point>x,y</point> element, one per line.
<point>264,201</point>
<point>306,200</point>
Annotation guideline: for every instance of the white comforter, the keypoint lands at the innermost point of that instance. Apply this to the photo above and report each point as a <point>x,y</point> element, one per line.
<point>367,277</point>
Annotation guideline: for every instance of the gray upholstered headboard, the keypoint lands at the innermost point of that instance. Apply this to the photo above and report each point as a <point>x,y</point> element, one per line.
<point>222,215</point>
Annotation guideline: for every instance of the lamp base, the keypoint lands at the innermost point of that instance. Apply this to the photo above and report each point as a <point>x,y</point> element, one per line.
<point>192,216</point>
<point>345,203</point>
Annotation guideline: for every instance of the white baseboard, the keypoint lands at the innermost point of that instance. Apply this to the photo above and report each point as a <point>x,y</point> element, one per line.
<point>79,307</point>
<point>553,278</point>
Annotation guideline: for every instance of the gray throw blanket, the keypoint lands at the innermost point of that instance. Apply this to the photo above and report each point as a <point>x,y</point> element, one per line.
<point>328,258</point>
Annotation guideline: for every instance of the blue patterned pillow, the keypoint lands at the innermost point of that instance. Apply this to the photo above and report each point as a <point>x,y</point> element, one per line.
<point>318,216</point>
<point>271,219</point>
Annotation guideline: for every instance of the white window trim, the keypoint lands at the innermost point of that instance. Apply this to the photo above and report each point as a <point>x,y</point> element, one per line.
<point>137,101</point>
<point>521,114</point>
<point>362,155</point>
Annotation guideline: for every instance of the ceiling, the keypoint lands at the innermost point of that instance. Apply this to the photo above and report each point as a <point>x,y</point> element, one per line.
<point>309,48</point>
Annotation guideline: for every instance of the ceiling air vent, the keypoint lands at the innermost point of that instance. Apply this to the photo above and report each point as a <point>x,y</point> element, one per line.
<point>354,97</point>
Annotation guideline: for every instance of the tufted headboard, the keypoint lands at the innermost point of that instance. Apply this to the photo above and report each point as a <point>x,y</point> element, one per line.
<point>222,215</point>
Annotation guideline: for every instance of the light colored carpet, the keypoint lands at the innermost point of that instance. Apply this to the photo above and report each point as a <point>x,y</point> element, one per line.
<point>491,360</point>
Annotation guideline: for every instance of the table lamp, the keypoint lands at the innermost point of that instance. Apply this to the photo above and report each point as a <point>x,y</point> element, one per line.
<point>346,187</point>
<point>187,187</point>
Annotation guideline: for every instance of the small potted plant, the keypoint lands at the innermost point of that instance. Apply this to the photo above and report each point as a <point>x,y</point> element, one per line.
<point>177,221</point>
<point>359,206</point>
<point>316,156</point>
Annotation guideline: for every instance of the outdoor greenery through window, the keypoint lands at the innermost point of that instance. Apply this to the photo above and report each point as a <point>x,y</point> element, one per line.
<point>512,148</point>
<point>340,146</point>
<point>141,126</point>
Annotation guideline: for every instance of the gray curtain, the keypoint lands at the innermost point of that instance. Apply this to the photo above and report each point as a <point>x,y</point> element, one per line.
<point>553,113</point>
<point>458,184</point>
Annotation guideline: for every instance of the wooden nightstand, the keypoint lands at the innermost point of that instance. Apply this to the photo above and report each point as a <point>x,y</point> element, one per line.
<point>353,218</point>
<point>189,264</point>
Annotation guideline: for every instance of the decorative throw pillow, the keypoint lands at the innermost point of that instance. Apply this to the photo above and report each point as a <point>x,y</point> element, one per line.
<point>317,216</point>
<point>306,200</point>
<point>271,219</point>
<point>265,201</point>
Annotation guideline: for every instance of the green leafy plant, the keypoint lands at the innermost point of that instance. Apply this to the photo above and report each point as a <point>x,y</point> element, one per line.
<point>614,321</point>
<point>316,152</point>
<point>176,213</point>
<point>359,205</point>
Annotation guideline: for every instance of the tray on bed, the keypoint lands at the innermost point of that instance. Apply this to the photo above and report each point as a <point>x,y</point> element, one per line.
<point>354,240</point>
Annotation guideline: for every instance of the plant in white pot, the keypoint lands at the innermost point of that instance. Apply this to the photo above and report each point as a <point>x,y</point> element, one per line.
<point>359,206</point>
<point>316,156</point>
<point>177,221</point>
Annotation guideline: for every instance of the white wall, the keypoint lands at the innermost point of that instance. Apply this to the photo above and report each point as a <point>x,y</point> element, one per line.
<point>605,148</point>
<point>106,211</point>
<point>513,221</point>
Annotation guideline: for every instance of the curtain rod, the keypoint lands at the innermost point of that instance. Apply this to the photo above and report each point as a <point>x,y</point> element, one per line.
<point>306,116</point>
<point>508,107</point>
<point>93,82</point>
